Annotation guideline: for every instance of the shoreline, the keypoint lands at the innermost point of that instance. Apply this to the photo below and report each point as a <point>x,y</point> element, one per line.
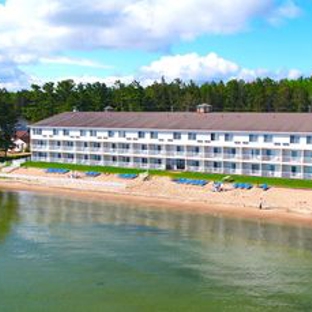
<point>158,200</point>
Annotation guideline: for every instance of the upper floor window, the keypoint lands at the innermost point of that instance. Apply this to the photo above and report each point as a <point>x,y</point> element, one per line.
<point>111,134</point>
<point>213,137</point>
<point>122,134</point>
<point>294,139</point>
<point>177,136</point>
<point>93,133</point>
<point>253,138</point>
<point>55,132</point>
<point>309,139</point>
<point>228,137</point>
<point>154,135</point>
<point>268,138</point>
<point>65,132</point>
<point>37,131</point>
<point>192,136</point>
<point>141,134</point>
<point>83,132</point>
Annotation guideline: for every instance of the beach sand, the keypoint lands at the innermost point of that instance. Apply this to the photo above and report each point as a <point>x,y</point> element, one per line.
<point>280,205</point>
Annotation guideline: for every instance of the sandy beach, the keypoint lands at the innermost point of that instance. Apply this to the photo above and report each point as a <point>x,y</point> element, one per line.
<point>279,205</point>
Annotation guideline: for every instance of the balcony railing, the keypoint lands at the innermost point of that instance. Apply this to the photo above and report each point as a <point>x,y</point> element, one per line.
<point>292,159</point>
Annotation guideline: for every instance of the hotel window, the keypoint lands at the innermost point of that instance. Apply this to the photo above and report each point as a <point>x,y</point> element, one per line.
<point>93,133</point>
<point>96,157</point>
<point>96,145</point>
<point>294,154</point>
<point>144,147</point>
<point>144,160</point>
<point>37,131</point>
<point>253,138</point>
<point>294,139</point>
<point>228,137</point>
<point>55,132</point>
<point>83,132</point>
<point>180,149</point>
<point>85,144</point>
<point>192,136</point>
<point>194,163</point>
<point>141,135</point>
<point>122,134</point>
<point>309,139</point>
<point>177,136</point>
<point>58,143</point>
<point>111,134</point>
<point>213,137</point>
<point>154,135</point>
<point>65,132</point>
<point>268,138</point>
<point>86,157</point>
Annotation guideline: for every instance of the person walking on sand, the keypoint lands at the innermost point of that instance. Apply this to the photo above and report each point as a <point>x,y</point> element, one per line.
<point>261,203</point>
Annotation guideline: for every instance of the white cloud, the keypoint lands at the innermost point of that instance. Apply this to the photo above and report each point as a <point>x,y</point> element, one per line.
<point>63,60</point>
<point>42,26</point>
<point>191,66</point>
<point>35,31</point>
<point>200,69</point>
<point>288,10</point>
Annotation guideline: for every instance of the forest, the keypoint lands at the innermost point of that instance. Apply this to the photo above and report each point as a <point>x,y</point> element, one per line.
<point>261,95</point>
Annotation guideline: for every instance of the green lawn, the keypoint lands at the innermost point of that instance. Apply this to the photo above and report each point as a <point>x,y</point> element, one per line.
<point>291,183</point>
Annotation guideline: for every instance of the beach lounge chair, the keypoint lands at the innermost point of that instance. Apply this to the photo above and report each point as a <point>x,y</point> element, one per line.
<point>92,174</point>
<point>128,176</point>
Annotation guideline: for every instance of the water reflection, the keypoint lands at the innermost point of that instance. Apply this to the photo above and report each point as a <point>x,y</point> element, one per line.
<point>49,210</point>
<point>9,208</point>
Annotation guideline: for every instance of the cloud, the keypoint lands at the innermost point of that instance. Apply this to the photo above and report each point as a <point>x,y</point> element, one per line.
<point>191,67</point>
<point>63,60</point>
<point>42,31</point>
<point>288,10</point>
<point>11,77</point>
<point>42,26</point>
<point>207,68</point>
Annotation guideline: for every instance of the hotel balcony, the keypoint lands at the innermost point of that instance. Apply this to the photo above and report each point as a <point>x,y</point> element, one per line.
<point>39,147</point>
<point>272,174</point>
<point>292,159</point>
<point>214,155</point>
<point>213,170</point>
<point>271,158</point>
<point>195,168</point>
<point>292,175</point>
<point>156,166</point>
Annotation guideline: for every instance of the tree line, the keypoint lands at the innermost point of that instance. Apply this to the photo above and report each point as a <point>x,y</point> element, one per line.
<point>261,95</point>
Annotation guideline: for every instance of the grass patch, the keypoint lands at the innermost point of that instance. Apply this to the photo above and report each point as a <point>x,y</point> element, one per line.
<point>290,183</point>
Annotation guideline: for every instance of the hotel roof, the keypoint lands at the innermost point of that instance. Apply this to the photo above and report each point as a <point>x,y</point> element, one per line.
<point>257,122</point>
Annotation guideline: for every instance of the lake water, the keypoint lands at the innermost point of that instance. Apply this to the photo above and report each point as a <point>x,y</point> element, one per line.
<point>62,254</point>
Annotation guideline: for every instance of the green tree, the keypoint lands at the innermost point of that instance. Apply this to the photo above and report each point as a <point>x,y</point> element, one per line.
<point>8,121</point>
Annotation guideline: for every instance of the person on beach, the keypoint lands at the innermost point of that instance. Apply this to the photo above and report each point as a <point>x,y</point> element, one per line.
<point>261,203</point>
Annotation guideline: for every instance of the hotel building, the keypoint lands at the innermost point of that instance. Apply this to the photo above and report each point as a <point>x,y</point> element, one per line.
<point>256,144</point>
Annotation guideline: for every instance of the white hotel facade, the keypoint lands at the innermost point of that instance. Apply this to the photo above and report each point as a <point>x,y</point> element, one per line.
<point>256,144</point>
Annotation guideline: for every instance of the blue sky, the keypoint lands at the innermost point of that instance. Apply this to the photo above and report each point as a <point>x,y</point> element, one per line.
<point>202,40</point>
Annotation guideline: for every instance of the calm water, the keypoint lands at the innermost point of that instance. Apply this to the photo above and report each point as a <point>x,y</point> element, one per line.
<point>61,254</point>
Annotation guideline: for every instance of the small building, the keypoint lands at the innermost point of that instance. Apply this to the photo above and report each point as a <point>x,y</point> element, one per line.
<point>21,141</point>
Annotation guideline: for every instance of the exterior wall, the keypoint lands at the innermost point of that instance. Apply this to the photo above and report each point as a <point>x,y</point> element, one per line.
<point>257,154</point>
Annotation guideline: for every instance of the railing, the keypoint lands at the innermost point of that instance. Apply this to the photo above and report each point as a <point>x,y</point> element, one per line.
<point>292,159</point>
<point>230,171</point>
<point>213,170</point>
<point>271,158</point>
<point>39,147</point>
<point>293,175</point>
